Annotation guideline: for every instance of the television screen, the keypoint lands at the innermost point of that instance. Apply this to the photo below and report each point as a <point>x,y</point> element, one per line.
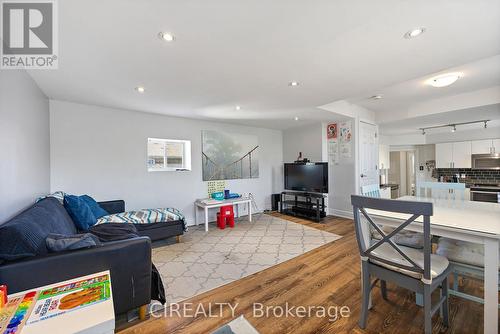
<point>312,177</point>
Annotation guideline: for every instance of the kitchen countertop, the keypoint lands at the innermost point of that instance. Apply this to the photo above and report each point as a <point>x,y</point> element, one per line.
<point>477,184</point>
<point>389,185</point>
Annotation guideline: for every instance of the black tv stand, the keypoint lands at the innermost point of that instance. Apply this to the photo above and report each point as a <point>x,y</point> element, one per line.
<point>303,204</point>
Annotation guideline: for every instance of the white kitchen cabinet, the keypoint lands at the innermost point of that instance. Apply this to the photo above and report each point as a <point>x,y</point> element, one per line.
<point>453,155</point>
<point>462,154</point>
<point>384,161</point>
<point>444,155</point>
<point>486,146</point>
<point>385,192</point>
<point>481,146</point>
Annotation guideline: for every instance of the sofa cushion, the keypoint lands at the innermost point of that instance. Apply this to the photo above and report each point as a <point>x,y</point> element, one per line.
<point>94,207</point>
<point>25,234</point>
<point>80,212</point>
<point>62,242</point>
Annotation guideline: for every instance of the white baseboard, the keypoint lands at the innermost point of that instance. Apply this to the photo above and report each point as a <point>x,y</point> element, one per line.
<point>341,213</point>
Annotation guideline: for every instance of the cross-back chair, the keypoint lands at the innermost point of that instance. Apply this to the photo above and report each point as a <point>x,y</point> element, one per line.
<point>416,270</point>
<point>441,190</point>
<point>371,190</point>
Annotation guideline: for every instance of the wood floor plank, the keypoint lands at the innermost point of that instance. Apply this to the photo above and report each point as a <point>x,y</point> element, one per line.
<point>327,276</point>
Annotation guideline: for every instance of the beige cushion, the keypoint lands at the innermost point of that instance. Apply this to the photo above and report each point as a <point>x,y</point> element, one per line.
<point>461,251</point>
<point>387,252</point>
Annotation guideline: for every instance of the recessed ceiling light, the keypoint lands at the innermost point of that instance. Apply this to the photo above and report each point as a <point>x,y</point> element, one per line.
<point>296,118</point>
<point>293,83</point>
<point>140,89</point>
<point>166,36</point>
<point>237,107</point>
<point>376,97</point>
<point>444,80</point>
<point>414,33</point>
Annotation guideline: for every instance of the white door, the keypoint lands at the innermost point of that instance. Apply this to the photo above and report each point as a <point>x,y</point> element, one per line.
<point>444,155</point>
<point>384,162</point>
<point>496,146</point>
<point>410,173</point>
<point>368,154</point>
<point>481,146</point>
<point>461,154</point>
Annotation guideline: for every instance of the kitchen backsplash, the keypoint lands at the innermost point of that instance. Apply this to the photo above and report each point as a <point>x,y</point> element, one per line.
<point>472,176</point>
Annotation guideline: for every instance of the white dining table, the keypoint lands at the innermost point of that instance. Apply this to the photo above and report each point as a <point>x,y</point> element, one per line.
<point>477,222</point>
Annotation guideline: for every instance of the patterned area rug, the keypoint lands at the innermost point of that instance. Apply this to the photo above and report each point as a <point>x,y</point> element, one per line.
<point>203,261</point>
<point>239,325</point>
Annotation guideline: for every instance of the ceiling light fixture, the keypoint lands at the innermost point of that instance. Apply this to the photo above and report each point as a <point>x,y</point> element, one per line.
<point>444,80</point>
<point>140,89</point>
<point>166,36</point>
<point>237,107</point>
<point>293,83</point>
<point>376,97</point>
<point>454,126</point>
<point>296,118</point>
<point>414,33</point>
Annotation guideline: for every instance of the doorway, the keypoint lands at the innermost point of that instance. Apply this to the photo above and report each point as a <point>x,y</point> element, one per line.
<point>368,154</point>
<point>403,172</point>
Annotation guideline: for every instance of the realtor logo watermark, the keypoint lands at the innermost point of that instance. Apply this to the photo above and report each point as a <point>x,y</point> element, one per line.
<point>29,34</point>
<point>219,310</point>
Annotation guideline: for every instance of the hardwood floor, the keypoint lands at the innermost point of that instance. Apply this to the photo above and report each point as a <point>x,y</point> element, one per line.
<point>327,276</point>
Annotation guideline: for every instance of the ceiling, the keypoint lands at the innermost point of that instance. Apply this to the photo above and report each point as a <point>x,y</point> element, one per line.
<point>245,53</point>
<point>403,99</point>
<point>404,126</point>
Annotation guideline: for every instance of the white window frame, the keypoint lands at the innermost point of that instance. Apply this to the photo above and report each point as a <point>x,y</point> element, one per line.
<point>186,155</point>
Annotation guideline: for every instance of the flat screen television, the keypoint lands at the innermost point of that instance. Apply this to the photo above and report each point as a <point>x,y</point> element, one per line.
<point>311,177</point>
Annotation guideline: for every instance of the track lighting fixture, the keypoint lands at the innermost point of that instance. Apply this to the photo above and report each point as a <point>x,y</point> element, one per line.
<point>454,126</point>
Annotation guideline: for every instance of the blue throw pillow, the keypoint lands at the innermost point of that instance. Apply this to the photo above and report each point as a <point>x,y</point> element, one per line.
<point>94,206</point>
<point>80,212</point>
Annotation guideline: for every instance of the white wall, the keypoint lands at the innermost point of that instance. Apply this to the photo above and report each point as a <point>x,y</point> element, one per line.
<point>402,140</point>
<point>24,142</point>
<point>341,176</point>
<point>344,179</point>
<point>350,110</point>
<point>424,153</point>
<point>311,140</point>
<point>102,152</point>
<point>403,174</point>
<point>306,139</point>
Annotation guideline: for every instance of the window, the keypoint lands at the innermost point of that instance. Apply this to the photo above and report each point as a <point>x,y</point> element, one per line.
<point>168,155</point>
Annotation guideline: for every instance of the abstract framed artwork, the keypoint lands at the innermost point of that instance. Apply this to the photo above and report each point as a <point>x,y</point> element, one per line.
<point>227,156</point>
